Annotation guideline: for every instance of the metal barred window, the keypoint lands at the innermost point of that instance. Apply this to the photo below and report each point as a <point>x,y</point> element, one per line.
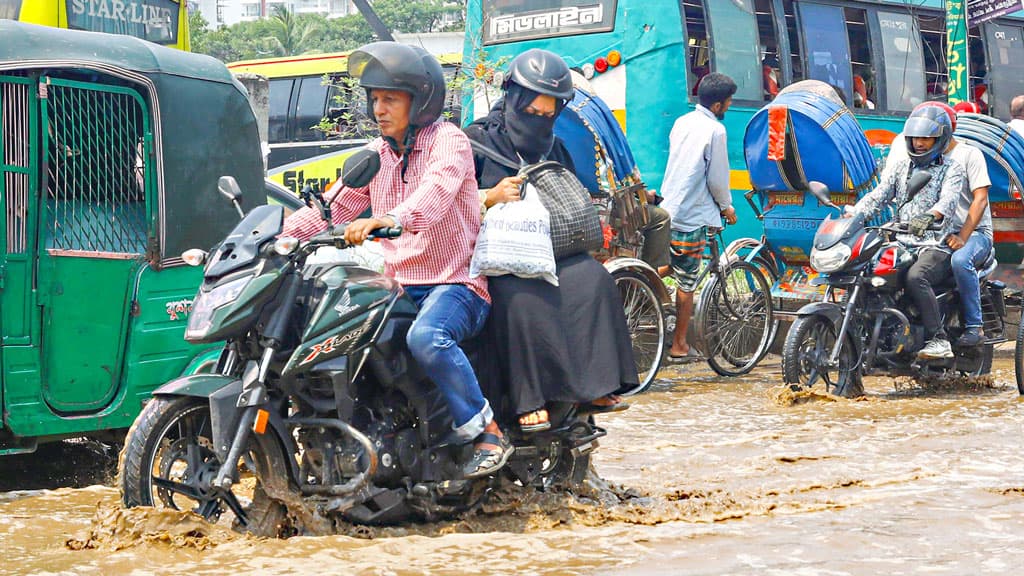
<point>97,155</point>
<point>15,160</point>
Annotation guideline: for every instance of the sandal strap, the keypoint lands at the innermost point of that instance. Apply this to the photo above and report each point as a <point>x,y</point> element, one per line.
<point>490,438</point>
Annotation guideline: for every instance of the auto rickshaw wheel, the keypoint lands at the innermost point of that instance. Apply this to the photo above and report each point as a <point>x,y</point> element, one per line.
<point>646,323</point>
<point>169,462</point>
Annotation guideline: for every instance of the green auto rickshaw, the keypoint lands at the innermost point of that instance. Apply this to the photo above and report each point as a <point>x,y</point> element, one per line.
<point>110,151</point>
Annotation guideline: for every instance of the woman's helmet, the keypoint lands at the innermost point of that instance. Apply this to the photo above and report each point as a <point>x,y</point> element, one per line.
<point>394,66</point>
<point>928,122</point>
<point>543,72</point>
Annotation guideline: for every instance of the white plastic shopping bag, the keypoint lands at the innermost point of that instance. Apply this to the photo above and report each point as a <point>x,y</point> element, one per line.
<point>515,238</point>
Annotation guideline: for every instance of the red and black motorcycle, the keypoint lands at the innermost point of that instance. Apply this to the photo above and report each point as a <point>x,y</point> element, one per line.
<point>867,323</point>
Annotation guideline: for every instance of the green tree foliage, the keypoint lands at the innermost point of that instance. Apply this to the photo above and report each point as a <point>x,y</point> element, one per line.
<point>288,34</point>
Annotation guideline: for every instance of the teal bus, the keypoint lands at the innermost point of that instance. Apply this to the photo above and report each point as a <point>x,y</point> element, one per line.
<point>645,57</point>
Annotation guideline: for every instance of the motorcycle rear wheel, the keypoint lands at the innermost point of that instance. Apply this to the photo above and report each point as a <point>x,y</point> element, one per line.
<point>808,346</point>
<point>168,462</point>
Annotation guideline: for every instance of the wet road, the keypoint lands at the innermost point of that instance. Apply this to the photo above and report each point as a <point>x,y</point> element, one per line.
<point>718,476</point>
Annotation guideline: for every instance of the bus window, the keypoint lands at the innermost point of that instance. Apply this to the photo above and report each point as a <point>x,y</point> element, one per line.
<point>933,40</point>
<point>277,104</point>
<point>904,63</point>
<point>828,51</point>
<point>737,55</point>
<point>9,9</point>
<point>978,70</point>
<point>771,73</point>
<point>862,90</point>
<point>1006,79</point>
<point>795,53</point>
<point>160,24</point>
<point>310,108</point>
<point>698,58</point>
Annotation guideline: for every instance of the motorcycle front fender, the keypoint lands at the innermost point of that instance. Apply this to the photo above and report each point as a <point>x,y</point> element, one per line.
<point>830,310</point>
<point>222,392</point>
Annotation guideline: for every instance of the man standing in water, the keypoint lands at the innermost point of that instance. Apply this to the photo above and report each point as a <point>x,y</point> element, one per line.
<point>697,194</point>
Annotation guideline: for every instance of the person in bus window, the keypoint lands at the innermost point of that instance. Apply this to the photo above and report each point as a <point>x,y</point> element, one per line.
<point>770,76</point>
<point>1017,114</point>
<point>426,186</point>
<point>697,194</point>
<point>567,343</point>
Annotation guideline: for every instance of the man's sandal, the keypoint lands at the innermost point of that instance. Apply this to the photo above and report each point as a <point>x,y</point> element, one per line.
<point>488,461</point>
<point>542,421</point>
<point>592,408</point>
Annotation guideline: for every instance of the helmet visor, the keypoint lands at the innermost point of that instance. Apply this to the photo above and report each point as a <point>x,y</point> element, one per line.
<point>920,127</point>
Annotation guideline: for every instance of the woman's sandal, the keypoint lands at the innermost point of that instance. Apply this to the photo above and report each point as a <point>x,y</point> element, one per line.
<point>540,418</point>
<point>614,404</point>
<point>488,461</point>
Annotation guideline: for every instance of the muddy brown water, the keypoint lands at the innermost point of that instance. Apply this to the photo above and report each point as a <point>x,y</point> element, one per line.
<point>706,476</point>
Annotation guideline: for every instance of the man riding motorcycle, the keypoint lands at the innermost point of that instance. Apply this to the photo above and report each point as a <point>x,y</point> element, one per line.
<point>927,133</point>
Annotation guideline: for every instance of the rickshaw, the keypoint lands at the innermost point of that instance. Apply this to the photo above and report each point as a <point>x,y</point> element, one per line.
<point>110,152</point>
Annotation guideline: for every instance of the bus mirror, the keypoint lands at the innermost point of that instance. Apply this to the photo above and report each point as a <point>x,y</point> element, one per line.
<point>360,168</point>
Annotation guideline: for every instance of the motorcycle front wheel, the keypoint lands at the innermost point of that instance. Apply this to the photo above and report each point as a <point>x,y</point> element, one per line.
<point>168,461</point>
<point>805,358</point>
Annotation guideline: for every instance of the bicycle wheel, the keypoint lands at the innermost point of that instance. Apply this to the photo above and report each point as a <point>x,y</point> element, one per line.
<point>735,319</point>
<point>1018,359</point>
<point>646,325</point>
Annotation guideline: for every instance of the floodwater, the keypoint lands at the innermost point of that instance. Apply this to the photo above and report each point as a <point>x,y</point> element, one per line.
<point>705,476</point>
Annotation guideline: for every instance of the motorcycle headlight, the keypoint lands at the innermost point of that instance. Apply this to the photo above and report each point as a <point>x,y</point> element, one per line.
<point>830,259</point>
<point>201,318</point>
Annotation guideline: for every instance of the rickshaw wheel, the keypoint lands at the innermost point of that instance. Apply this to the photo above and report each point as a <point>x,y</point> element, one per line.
<point>1018,359</point>
<point>735,319</point>
<point>808,347</point>
<point>646,323</point>
<point>168,462</point>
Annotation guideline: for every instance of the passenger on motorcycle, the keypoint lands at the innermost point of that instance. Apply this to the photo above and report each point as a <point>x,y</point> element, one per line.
<point>567,343</point>
<point>426,185</point>
<point>927,133</point>
<point>972,241</point>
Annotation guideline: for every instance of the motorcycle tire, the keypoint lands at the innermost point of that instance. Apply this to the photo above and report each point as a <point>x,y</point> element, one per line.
<point>795,357</point>
<point>149,444</point>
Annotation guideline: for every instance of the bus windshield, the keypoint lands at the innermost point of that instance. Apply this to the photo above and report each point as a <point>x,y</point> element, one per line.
<point>152,20</point>
<point>517,20</point>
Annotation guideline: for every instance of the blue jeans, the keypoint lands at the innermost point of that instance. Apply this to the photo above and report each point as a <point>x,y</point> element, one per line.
<point>965,269</point>
<point>449,314</point>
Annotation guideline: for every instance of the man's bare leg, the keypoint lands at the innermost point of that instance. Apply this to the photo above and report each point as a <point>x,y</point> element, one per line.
<point>684,311</point>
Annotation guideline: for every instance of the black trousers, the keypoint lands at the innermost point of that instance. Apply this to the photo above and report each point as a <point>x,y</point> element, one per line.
<point>932,267</point>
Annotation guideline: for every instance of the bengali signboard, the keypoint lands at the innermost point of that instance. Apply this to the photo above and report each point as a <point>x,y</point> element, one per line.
<point>979,11</point>
<point>517,20</point>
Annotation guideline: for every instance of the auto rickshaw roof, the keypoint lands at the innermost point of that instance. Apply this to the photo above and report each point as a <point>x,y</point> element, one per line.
<point>24,43</point>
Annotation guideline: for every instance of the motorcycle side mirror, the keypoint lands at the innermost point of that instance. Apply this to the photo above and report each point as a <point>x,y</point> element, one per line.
<point>820,191</point>
<point>917,182</point>
<point>228,187</point>
<point>360,168</point>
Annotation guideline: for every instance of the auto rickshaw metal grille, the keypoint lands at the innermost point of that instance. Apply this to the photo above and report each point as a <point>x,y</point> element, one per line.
<point>97,167</point>
<point>15,162</point>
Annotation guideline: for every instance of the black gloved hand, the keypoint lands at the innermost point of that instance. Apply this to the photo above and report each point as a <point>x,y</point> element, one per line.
<point>919,224</point>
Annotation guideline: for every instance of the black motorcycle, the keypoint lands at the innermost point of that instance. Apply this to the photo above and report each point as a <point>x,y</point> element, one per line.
<point>874,326</point>
<point>316,409</point>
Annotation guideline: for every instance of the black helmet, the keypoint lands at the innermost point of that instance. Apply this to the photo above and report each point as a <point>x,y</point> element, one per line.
<point>927,122</point>
<point>543,72</point>
<point>394,66</point>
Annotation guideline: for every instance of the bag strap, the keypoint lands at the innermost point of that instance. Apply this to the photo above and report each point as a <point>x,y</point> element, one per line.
<point>527,171</point>
<point>493,154</point>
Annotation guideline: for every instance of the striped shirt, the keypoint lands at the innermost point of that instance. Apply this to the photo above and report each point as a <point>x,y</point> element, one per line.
<point>437,205</point>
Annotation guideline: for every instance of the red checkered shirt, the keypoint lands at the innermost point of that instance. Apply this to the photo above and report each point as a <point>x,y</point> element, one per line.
<point>437,205</point>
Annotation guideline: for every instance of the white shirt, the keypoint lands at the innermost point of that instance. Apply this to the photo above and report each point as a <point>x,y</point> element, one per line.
<point>1018,126</point>
<point>696,183</point>
<point>972,160</point>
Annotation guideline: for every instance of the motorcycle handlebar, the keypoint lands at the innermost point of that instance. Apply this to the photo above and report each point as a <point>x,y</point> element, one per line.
<point>387,232</point>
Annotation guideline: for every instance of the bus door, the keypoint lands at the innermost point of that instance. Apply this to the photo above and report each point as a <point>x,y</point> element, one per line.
<point>19,119</point>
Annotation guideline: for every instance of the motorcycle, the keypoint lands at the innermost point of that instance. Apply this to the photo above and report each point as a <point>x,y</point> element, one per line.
<point>876,328</point>
<point>316,410</point>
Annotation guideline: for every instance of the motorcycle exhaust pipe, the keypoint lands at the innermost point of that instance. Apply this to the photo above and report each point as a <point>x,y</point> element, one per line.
<point>357,482</point>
